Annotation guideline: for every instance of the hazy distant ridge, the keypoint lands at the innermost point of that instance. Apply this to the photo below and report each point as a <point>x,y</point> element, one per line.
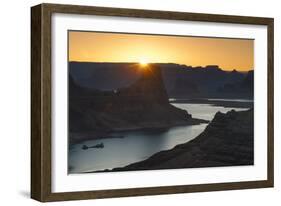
<point>181,81</point>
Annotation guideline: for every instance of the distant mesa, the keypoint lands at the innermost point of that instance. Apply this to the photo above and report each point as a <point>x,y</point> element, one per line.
<point>244,88</point>
<point>180,81</point>
<point>213,67</point>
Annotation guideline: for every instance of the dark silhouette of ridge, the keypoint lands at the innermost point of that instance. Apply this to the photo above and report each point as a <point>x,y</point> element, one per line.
<point>180,81</point>
<point>243,89</point>
<point>142,105</point>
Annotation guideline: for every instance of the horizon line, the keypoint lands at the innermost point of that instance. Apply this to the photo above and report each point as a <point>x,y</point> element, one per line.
<point>102,62</point>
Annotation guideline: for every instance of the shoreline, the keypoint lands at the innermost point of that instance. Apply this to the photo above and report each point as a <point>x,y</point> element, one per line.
<point>92,135</point>
<point>188,150</point>
<point>114,133</point>
<point>220,103</point>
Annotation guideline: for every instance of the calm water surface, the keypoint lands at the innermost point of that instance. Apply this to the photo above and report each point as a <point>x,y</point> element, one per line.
<point>139,145</point>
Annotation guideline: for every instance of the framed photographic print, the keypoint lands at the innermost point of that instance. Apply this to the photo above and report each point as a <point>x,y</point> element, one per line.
<point>132,102</point>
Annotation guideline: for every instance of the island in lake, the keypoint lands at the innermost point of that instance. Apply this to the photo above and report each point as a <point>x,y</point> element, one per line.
<point>139,115</point>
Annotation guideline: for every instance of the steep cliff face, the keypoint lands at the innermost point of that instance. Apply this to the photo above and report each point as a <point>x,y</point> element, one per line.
<point>143,104</point>
<point>149,87</point>
<point>227,141</point>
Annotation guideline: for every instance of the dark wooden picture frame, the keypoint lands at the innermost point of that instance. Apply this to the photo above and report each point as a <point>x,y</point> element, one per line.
<point>41,101</point>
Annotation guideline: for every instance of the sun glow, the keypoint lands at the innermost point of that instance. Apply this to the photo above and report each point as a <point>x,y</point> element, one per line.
<point>142,49</point>
<point>143,63</point>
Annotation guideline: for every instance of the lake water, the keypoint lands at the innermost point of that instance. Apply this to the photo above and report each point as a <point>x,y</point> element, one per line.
<point>139,145</point>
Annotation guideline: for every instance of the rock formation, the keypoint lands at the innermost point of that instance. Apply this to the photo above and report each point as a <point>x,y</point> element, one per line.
<point>227,141</point>
<point>142,105</point>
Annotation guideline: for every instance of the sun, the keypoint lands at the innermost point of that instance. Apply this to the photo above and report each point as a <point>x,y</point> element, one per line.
<point>143,63</point>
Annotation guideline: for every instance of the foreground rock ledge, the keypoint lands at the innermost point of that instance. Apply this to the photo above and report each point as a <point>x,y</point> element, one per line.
<point>227,141</point>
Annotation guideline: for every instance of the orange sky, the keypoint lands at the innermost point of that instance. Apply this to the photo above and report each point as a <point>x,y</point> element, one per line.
<point>229,54</point>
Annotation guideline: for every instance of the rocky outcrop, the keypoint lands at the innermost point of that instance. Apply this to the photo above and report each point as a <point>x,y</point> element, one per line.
<point>142,105</point>
<point>227,141</point>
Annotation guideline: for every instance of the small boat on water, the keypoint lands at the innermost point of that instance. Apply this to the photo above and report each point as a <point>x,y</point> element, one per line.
<point>100,145</point>
<point>85,147</point>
